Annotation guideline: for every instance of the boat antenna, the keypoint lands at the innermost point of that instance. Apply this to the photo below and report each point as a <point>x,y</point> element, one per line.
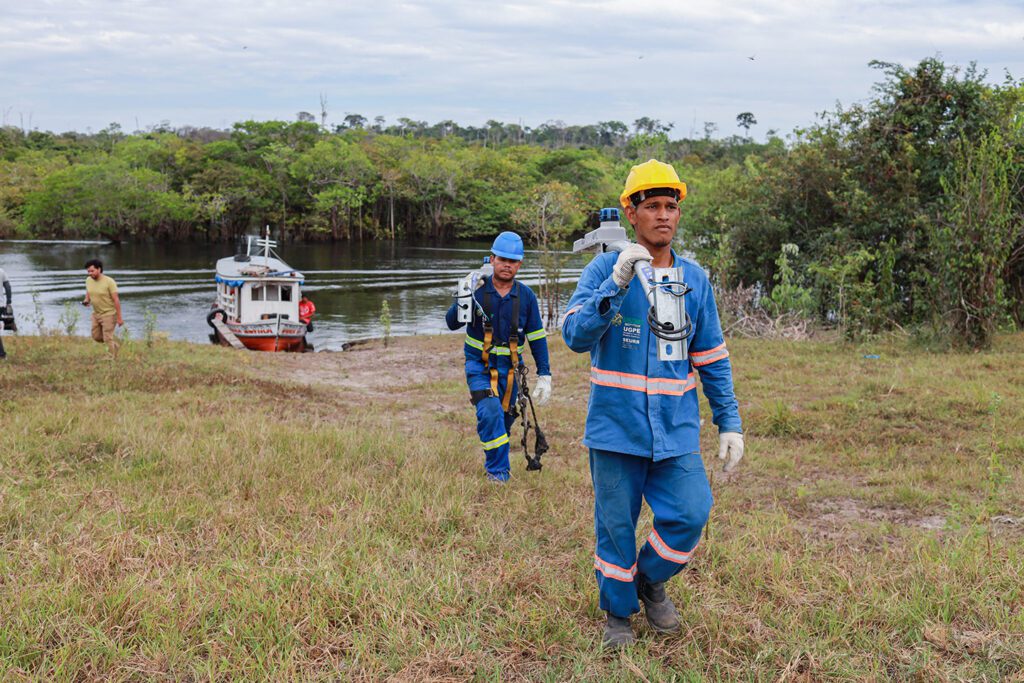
<point>267,245</point>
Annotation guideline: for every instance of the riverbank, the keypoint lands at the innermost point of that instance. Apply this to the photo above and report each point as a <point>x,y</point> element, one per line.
<point>190,512</point>
<point>170,287</point>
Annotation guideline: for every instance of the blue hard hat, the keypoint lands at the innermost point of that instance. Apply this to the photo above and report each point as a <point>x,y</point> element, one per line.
<point>508,245</point>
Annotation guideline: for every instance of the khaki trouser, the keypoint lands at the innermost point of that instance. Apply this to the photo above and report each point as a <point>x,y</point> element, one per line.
<point>103,327</point>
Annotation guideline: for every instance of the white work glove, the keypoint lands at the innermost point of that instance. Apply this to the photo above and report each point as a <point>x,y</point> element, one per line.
<point>542,392</point>
<point>622,273</point>
<point>730,445</point>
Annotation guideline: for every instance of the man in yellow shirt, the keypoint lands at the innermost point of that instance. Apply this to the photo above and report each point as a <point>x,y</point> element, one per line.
<point>101,293</point>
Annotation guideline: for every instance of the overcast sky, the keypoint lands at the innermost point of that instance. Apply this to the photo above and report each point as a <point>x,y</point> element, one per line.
<point>82,64</point>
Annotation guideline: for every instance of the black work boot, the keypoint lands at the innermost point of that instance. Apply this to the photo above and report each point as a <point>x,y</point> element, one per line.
<point>658,608</point>
<point>617,633</point>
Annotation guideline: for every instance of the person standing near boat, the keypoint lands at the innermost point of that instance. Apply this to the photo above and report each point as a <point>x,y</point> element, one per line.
<point>8,312</point>
<point>101,294</point>
<point>306,311</point>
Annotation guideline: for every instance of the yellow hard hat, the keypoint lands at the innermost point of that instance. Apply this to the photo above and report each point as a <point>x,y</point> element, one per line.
<point>651,175</point>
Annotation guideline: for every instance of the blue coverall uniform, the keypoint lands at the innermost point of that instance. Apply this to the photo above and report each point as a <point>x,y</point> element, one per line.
<point>492,422</point>
<point>643,425</point>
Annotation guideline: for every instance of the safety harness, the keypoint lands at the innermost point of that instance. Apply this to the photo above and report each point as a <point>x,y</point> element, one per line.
<point>513,345</point>
<point>524,404</point>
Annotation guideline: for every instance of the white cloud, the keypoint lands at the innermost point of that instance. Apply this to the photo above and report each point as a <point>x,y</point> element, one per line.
<point>84,63</point>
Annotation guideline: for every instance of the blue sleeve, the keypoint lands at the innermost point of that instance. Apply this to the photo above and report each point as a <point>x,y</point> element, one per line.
<point>592,306</point>
<point>710,358</point>
<point>537,336</point>
<point>451,317</point>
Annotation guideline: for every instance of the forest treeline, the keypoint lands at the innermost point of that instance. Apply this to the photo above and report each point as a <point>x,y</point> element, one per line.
<point>310,182</point>
<point>904,210</point>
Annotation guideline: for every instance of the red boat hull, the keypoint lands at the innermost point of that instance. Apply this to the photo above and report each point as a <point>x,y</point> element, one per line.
<point>272,343</point>
<point>267,336</point>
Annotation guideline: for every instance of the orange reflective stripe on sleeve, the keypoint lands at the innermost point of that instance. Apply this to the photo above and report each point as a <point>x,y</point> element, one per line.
<point>612,571</point>
<point>666,552</point>
<point>699,358</point>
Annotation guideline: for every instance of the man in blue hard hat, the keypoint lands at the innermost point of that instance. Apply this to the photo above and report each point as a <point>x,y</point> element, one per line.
<point>505,315</point>
<point>643,422</point>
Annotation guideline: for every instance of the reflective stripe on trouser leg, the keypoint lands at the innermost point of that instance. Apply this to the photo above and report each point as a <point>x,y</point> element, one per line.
<point>618,488</point>
<point>678,494</point>
<point>490,425</point>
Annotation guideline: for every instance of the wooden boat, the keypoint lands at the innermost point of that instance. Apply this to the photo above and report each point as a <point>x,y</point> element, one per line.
<point>257,304</point>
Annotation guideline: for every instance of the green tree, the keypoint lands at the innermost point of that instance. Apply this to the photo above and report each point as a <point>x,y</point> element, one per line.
<point>549,214</point>
<point>246,194</point>
<point>973,240</point>
<point>106,199</point>
<point>21,177</point>
<point>432,174</point>
<point>746,120</point>
<point>336,174</point>
<point>491,186</point>
<point>789,295</point>
<point>277,160</point>
<point>386,154</point>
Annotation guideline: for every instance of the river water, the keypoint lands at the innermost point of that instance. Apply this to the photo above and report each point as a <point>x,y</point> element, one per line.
<point>174,283</point>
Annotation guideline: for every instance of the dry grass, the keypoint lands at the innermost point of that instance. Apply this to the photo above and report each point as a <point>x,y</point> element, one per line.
<point>192,513</point>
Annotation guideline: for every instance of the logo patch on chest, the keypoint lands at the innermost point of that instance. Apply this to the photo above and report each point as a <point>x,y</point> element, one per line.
<point>631,333</point>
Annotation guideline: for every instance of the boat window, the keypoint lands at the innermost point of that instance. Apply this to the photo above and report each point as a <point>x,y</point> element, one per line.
<point>257,293</point>
<point>286,292</point>
<point>273,293</point>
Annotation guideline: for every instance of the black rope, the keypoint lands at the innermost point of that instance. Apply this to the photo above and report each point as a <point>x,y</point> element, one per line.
<point>540,442</point>
<point>667,330</point>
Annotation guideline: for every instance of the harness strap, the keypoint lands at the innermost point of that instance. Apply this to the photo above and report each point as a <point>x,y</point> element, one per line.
<point>485,353</point>
<point>513,347</point>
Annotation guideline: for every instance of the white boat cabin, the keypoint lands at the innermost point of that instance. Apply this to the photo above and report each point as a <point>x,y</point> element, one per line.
<point>255,287</point>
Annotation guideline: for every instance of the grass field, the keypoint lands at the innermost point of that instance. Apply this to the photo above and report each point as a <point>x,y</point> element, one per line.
<point>193,513</point>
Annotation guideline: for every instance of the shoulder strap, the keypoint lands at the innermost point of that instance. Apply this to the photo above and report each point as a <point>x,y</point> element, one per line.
<point>513,348</point>
<point>488,328</point>
<point>514,330</point>
<point>486,304</point>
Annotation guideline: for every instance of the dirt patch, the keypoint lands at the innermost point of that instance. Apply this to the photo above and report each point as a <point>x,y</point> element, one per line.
<point>371,368</point>
<point>839,512</point>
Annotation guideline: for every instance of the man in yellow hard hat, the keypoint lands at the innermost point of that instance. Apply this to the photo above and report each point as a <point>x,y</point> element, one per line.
<point>643,424</point>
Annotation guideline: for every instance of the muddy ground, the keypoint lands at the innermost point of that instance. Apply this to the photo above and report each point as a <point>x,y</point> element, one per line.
<point>372,367</point>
